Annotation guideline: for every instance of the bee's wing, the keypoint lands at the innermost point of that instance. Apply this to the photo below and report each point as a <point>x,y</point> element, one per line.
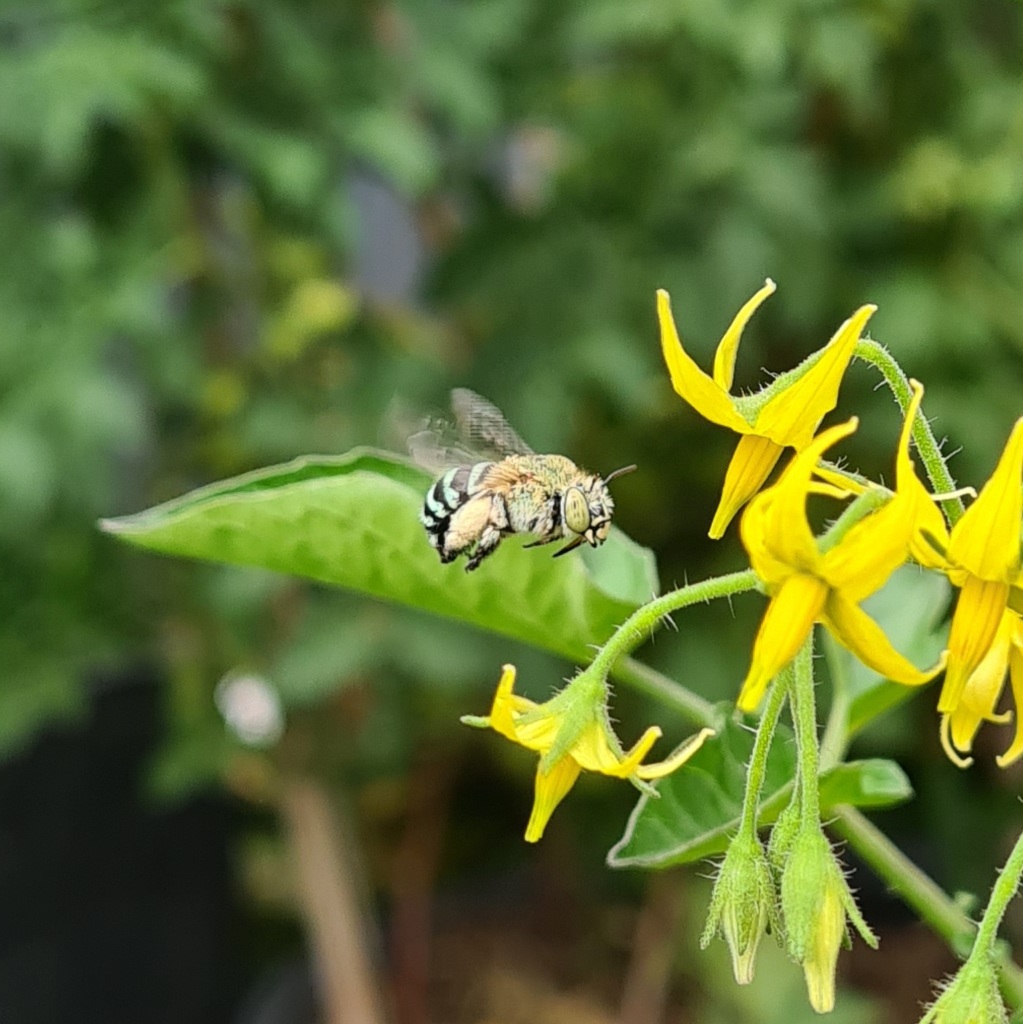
<point>483,426</point>
<point>433,449</point>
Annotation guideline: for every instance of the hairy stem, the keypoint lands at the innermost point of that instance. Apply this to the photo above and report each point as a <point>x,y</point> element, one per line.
<point>804,714</point>
<point>1004,889</point>
<point>761,748</point>
<point>642,622</point>
<point>836,732</point>
<point>926,444</point>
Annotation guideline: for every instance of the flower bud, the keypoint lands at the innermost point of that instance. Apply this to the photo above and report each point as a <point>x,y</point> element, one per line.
<point>783,835</point>
<point>742,904</point>
<point>815,901</point>
<point>971,997</point>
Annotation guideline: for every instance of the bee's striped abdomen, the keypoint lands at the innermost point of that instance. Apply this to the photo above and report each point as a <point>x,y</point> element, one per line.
<point>447,495</point>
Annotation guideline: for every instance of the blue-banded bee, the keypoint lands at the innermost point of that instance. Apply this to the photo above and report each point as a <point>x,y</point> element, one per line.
<point>477,502</point>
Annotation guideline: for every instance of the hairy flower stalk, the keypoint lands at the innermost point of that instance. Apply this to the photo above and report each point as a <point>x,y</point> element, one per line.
<point>815,899</point>
<point>744,901</point>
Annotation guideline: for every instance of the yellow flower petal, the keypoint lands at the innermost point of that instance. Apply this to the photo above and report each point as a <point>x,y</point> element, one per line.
<point>928,541</point>
<point>702,392</point>
<point>753,529</point>
<point>859,633</point>
<point>975,624</point>
<point>1015,751</point>
<point>980,695</point>
<point>949,747</point>
<point>789,618</point>
<point>791,417</point>
<point>659,769</point>
<point>822,957</point>
<point>985,541</point>
<point>508,709</point>
<point>594,752</point>
<point>871,551</point>
<point>751,465</point>
<point>843,484</point>
<point>724,358</point>
<point>789,534</point>
<point>550,789</point>
<point>502,718</point>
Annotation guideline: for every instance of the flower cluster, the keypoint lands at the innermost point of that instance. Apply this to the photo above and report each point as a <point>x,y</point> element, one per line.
<point>824,580</point>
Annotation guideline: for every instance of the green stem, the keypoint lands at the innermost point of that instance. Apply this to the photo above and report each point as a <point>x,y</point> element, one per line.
<point>804,715</point>
<point>920,892</point>
<point>926,444</point>
<point>858,509</point>
<point>649,681</point>
<point>836,732</point>
<point>1005,888</point>
<point>643,621</point>
<point>761,748</point>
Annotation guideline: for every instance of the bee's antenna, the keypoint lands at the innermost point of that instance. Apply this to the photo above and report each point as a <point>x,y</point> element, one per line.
<point>619,472</point>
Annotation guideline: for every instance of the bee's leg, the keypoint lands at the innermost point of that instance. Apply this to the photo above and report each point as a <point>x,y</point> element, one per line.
<point>546,526</point>
<point>541,542</point>
<point>497,526</point>
<point>465,526</point>
<point>488,542</point>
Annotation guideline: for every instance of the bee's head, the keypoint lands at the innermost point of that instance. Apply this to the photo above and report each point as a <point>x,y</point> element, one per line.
<point>587,508</point>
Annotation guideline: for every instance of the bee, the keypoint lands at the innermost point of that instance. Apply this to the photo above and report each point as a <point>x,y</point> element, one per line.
<point>477,502</point>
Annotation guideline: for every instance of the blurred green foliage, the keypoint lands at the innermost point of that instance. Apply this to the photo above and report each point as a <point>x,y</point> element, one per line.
<point>236,232</point>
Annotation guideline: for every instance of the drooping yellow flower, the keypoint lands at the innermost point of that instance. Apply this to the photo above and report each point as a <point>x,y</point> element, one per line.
<point>784,414</point>
<point>572,733</point>
<point>984,559</point>
<point>808,585</point>
<point>979,697</point>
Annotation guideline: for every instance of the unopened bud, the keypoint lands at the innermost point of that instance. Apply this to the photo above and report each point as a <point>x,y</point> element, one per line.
<point>742,904</point>
<point>971,997</point>
<point>815,902</point>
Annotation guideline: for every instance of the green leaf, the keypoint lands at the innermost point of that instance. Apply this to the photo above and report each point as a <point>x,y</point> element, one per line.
<point>698,807</point>
<point>352,521</point>
<point>873,782</point>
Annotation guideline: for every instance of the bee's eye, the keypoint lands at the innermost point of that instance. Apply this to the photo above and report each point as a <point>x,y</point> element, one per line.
<point>577,511</point>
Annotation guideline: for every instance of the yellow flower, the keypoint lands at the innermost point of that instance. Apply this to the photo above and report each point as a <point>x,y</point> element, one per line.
<point>784,414</point>
<point>808,585</point>
<point>984,558</point>
<point>571,732</point>
<point>979,697</point>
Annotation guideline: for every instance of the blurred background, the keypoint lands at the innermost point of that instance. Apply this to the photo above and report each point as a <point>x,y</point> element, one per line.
<point>235,232</point>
